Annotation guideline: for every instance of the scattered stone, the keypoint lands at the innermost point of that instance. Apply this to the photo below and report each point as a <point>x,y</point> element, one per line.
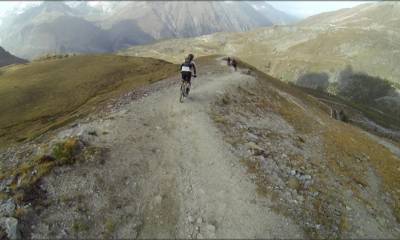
<point>251,137</point>
<point>7,208</point>
<point>304,177</point>
<point>210,230</point>
<point>315,194</point>
<point>253,146</point>
<point>5,183</point>
<point>10,225</point>
<point>190,219</point>
<point>293,172</point>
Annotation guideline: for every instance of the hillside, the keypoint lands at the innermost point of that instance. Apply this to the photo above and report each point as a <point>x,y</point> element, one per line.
<point>289,52</point>
<point>58,27</point>
<point>245,156</point>
<point>45,94</point>
<point>7,58</point>
<point>368,16</point>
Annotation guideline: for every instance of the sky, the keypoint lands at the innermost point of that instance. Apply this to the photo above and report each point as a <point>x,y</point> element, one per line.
<point>309,8</point>
<point>297,8</point>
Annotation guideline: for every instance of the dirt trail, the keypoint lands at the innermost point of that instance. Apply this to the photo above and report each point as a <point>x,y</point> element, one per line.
<point>166,171</point>
<point>187,182</point>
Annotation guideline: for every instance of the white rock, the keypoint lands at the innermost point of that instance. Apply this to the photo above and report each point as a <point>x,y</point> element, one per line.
<point>7,208</point>
<point>252,137</point>
<point>210,228</point>
<point>190,219</point>
<point>252,145</point>
<point>10,225</point>
<point>307,177</point>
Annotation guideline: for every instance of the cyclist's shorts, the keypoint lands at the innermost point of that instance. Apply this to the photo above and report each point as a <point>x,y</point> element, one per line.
<point>186,76</point>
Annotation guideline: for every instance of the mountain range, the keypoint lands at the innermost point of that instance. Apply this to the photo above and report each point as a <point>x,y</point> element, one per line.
<point>367,37</point>
<point>56,27</point>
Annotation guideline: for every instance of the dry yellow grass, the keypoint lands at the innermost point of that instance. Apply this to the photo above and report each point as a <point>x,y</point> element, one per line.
<point>341,154</point>
<point>44,95</point>
<point>345,145</point>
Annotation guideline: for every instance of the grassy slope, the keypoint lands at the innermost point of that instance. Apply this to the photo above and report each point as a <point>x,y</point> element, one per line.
<point>45,94</point>
<point>293,51</point>
<point>342,145</point>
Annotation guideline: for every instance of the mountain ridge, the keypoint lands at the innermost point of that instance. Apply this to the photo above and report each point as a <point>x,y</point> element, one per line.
<point>288,52</point>
<point>7,58</point>
<point>123,24</point>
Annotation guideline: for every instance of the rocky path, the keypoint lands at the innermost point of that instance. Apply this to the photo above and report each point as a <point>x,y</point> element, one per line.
<point>209,188</point>
<point>177,176</point>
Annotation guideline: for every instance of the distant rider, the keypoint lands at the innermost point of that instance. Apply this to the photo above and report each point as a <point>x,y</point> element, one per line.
<point>188,68</point>
<point>234,64</point>
<point>229,61</point>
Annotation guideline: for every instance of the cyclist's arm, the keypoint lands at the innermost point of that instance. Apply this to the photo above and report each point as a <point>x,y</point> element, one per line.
<point>194,68</point>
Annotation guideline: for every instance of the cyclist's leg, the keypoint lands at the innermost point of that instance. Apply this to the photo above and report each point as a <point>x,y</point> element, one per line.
<point>189,80</point>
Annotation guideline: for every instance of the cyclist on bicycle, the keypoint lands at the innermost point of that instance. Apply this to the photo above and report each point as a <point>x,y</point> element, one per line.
<point>186,70</point>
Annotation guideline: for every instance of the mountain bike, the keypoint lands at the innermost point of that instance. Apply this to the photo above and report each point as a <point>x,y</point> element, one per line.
<point>185,87</point>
